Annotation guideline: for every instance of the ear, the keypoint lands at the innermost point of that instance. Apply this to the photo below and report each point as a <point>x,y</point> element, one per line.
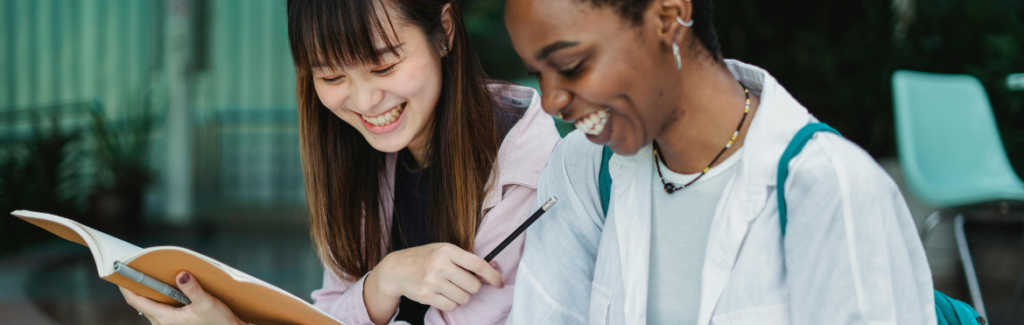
<point>670,13</point>
<point>447,23</point>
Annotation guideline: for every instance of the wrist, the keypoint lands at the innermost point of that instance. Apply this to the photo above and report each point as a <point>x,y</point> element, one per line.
<point>382,289</point>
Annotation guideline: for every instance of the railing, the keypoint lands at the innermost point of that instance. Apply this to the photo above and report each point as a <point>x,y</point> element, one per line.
<point>249,158</point>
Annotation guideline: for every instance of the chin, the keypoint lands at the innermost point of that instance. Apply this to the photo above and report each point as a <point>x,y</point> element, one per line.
<point>388,143</point>
<point>625,148</point>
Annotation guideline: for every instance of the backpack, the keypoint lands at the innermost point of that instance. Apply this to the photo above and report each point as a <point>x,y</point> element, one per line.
<point>948,311</point>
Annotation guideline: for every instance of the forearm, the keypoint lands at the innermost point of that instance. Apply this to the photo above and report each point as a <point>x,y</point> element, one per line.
<point>380,306</point>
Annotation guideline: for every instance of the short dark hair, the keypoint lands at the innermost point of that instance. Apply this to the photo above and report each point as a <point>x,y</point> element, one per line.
<point>633,11</point>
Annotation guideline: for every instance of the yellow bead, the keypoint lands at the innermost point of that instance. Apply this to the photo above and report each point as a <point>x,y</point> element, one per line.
<point>746,110</point>
<point>706,169</point>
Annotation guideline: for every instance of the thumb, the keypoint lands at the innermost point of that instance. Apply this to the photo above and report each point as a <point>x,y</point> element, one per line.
<point>191,288</point>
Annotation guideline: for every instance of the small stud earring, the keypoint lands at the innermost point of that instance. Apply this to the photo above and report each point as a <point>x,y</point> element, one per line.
<point>558,115</point>
<point>444,47</point>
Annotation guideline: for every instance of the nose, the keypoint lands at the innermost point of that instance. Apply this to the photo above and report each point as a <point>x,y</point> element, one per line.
<point>365,97</point>
<point>554,99</point>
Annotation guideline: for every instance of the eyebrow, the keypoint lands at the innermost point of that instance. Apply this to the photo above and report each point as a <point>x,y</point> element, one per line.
<point>551,48</point>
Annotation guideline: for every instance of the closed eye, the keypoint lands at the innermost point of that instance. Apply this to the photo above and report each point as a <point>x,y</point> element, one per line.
<point>574,70</point>
<point>385,70</point>
<point>332,80</point>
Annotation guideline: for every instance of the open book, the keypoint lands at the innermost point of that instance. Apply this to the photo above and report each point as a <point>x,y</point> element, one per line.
<point>251,299</point>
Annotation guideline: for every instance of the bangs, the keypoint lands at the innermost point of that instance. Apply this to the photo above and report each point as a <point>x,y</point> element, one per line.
<point>338,34</point>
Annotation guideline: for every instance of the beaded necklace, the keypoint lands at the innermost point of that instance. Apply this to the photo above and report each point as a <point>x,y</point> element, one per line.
<point>671,187</point>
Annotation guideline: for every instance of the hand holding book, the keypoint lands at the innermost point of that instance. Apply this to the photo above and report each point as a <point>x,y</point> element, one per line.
<point>228,294</point>
<point>204,309</point>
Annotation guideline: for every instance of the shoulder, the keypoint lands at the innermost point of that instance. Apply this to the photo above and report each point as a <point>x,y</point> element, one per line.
<point>575,159</point>
<point>572,174</point>
<point>834,174</point>
<point>524,151</point>
<point>838,161</point>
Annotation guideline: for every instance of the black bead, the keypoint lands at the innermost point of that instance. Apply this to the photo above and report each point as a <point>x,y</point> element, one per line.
<point>669,188</point>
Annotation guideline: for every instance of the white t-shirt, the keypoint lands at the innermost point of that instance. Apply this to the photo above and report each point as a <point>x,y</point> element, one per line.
<point>680,223</point>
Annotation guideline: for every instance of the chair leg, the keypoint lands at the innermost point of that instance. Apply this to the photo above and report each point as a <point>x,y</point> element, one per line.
<point>929,224</point>
<point>965,258</point>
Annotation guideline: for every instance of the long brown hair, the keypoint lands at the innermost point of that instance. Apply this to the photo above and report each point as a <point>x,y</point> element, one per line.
<point>344,174</point>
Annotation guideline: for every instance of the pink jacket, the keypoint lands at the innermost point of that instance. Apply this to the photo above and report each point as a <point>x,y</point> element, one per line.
<point>521,159</point>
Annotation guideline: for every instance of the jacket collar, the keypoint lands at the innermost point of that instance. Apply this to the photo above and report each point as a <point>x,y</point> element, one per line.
<point>519,161</point>
<point>778,118</point>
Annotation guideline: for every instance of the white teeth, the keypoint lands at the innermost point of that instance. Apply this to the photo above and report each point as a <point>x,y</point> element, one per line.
<point>594,123</point>
<point>386,118</point>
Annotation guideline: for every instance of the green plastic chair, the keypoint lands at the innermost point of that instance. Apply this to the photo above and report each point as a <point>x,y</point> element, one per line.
<point>951,153</point>
<point>949,145</point>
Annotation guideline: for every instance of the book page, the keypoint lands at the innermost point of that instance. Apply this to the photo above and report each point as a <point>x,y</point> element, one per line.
<point>105,249</point>
<point>112,248</point>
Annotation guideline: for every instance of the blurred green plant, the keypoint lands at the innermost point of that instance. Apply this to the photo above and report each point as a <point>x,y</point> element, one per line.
<point>485,23</point>
<point>43,173</point>
<point>122,150</point>
<point>837,57</point>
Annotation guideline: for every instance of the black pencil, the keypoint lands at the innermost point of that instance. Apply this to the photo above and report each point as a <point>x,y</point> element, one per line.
<point>544,208</point>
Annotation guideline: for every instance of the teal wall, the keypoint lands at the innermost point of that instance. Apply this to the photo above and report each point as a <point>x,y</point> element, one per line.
<point>113,51</point>
<point>69,50</point>
<point>64,50</point>
<point>247,61</point>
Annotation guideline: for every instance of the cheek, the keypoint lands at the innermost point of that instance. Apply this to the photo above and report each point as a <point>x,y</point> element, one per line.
<point>332,97</point>
<point>420,83</point>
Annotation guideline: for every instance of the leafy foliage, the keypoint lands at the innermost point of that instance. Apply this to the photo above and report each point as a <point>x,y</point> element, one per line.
<point>42,172</point>
<point>837,58</point>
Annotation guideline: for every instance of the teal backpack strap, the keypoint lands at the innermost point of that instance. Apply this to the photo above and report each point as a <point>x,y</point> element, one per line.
<point>604,180</point>
<point>794,148</point>
<point>948,311</point>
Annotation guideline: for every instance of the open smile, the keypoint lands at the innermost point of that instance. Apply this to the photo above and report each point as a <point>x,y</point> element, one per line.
<point>593,124</point>
<point>386,122</point>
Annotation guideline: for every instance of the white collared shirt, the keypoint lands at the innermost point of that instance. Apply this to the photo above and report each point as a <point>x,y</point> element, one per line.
<point>851,254</point>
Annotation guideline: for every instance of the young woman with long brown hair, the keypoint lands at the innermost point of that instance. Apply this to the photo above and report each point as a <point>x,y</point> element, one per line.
<point>415,167</point>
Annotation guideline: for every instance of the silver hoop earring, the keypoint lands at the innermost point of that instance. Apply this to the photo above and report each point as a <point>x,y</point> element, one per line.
<point>684,23</point>
<point>679,60</point>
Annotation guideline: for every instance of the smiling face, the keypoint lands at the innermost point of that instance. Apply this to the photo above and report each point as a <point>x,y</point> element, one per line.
<point>610,77</point>
<point>392,103</point>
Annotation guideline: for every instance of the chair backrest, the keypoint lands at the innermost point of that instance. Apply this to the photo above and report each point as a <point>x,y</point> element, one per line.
<point>949,145</point>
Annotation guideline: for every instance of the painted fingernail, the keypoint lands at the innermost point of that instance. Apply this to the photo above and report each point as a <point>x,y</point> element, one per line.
<point>184,278</point>
<point>501,285</point>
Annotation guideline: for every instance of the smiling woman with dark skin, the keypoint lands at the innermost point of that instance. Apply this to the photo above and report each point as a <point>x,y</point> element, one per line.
<point>586,65</point>
<point>690,231</point>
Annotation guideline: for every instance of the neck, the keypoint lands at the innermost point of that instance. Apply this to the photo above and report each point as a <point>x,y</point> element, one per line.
<point>418,148</point>
<point>419,152</point>
<point>708,110</point>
